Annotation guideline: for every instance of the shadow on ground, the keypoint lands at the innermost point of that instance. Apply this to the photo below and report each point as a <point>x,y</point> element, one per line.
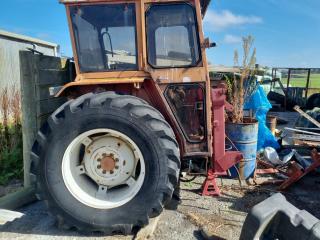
<point>37,222</point>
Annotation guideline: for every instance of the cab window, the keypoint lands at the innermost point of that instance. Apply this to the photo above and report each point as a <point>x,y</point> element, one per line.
<point>172,35</point>
<point>187,102</point>
<point>105,37</point>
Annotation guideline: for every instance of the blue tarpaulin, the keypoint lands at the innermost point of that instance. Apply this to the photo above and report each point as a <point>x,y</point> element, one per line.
<point>260,105</point>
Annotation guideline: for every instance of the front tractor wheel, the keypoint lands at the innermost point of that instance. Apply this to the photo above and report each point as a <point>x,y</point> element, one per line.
<point>105,162</point>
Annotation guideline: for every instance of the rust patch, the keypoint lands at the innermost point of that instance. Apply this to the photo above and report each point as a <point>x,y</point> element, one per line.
<point>108,163</point>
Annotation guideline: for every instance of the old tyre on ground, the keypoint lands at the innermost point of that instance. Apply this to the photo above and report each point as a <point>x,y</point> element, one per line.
<point>105,162</point>
<point>313,101</point>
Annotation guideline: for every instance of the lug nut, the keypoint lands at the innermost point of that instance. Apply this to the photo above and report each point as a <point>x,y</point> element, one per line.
<point>117,159</point>
<point>99,160</point>
<point>111,172</point>
<point>99,166</point>
<point>104,171</point>
<point>116,167</point>
<point>104,155</point>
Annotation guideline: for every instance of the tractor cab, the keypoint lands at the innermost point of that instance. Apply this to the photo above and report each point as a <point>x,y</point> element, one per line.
<point>112,36</point>
<point>132,41</point>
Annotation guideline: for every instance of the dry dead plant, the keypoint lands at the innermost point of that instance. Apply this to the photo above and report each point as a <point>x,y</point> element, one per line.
<point>11,155</point>
<point>10,115</point>
<point>15,112</point>
<point>4,112</point>
<point>15,106</point>
<point>240,83</point>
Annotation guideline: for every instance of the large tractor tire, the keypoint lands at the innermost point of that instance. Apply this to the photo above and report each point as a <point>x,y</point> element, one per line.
<point>105,162</point>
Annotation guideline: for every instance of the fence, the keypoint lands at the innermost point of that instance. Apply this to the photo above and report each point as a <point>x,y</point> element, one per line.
<point>38,74</point>
<point>298,83</point>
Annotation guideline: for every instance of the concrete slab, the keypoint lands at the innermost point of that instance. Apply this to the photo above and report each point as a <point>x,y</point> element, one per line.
<point>9,216</point>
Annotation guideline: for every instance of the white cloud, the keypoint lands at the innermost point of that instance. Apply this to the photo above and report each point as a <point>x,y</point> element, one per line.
<point>232,39</point>
<point>218,21</point>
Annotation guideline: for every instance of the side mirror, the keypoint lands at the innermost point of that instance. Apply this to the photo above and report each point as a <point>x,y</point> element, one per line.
<point>207,44</point>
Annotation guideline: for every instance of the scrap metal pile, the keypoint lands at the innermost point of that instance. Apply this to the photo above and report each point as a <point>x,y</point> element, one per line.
<point>292,162</point>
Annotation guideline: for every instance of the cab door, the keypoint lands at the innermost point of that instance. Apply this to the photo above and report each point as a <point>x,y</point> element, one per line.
<point>177,62</point>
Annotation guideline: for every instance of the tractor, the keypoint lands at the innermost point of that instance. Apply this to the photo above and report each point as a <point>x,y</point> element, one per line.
<point>140,110</point>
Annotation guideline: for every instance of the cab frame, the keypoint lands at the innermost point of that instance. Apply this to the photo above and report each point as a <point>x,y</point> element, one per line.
<point>148,82</point>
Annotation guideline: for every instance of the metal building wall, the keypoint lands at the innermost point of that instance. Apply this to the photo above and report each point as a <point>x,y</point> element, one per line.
<point>9,59</point>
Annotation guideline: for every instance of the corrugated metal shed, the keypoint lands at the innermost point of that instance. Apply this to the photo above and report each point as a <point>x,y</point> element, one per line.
<point>10,45</point>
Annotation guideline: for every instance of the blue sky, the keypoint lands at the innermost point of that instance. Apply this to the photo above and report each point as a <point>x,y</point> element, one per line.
<point>286,32</point>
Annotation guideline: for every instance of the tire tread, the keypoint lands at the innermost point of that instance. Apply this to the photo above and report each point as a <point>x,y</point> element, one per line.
<point>141,110</point>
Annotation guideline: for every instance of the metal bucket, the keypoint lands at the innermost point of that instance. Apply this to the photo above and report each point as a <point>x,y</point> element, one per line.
<point>245,137</point>
<point>272,124</point>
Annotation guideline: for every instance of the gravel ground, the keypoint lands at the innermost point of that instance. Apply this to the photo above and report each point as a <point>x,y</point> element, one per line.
<point>175,226</point>
<point>221,217</point>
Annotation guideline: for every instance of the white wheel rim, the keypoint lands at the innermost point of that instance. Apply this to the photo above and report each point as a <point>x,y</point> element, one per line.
<point>109,172</point>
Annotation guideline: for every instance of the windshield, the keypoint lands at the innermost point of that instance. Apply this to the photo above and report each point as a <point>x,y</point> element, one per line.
<point>105,37</point>
<point>172,35</point>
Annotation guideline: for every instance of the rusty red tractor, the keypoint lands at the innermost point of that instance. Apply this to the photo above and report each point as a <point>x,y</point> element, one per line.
<point>140,110</point>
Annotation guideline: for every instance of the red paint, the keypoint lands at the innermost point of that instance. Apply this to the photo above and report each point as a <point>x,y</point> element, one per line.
<point>296,172</point>
<point>157,100</point>
<point>209,186</point>
<point>221,160</point>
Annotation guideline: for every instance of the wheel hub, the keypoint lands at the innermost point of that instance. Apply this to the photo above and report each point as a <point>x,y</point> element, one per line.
<point>108,163</point>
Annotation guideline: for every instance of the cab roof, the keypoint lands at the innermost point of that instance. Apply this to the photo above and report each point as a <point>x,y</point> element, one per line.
<point>204,4</point>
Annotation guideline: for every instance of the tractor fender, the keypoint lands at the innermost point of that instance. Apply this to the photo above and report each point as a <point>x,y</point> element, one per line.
<point>93,82</point>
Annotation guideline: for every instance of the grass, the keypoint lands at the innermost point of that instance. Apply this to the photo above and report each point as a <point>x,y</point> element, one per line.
<point>300,80</point>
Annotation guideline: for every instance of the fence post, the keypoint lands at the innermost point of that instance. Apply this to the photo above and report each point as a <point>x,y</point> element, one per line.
<point>28,79</point>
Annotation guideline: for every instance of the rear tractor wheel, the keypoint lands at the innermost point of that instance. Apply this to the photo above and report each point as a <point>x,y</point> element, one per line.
<point>105,162</point>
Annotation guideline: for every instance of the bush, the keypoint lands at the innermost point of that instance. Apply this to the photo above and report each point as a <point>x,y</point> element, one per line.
<point>11,154</point>
<point>11,157</point>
